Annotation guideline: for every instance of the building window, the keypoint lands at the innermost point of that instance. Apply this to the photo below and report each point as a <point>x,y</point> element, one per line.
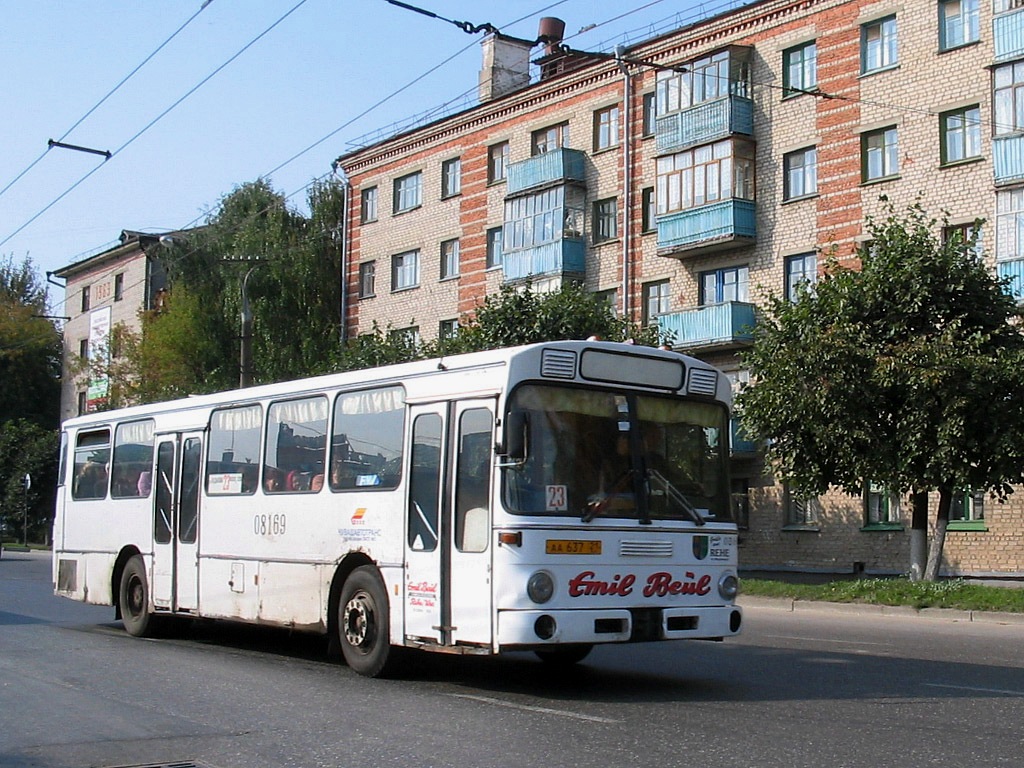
<point>963,236</point>
<point>405,270</point>
<point>879,154</point>
<point>367,279</point>
<point>881,508</point>
<point>800,69</point>
<point>494,248</point>
<point>705,175</point>
<point>1009,224</point>
<point>119,286</point>
<point>85,299</point>
<point>958,23</point>
<point>409,336</point>
<point>656,301</point>
<point>967,507</point>
<point>802,271</point>
<point>961,134</point>
<point>706,79</point>
<point>543,217</point>
<point>449,259</point>
<point>497,162</point>
<point>408,192</point>
<point>447,329</point>
<point>878,45</point>
<point>721,285</point>
<point>1009,98</point>
<point>451,177</point>
<point>368,207</point>
<point>83,349</point>
<point>800,512</point>
<point>549,139</point>
<point>648,212</point>
<point>606,220</point>
<point>610,299</point>
<point>800,177</point>
<point>650,114</point>
<point>606,128</point>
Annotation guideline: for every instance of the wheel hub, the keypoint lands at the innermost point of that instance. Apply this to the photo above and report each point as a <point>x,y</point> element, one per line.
<point>358,620</point>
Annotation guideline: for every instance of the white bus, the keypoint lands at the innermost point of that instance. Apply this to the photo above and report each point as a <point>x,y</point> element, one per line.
<point>542,498</point>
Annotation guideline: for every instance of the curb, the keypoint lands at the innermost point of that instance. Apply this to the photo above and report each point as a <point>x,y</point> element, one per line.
<point>944,614</point>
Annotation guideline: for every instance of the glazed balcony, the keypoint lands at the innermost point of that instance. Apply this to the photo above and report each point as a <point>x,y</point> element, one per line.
<point>1008,32</point>
<point>704,123</point>
<point>1015,271</point>
<point>1008,158</point>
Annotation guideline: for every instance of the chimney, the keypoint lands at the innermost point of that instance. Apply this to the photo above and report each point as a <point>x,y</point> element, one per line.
<point>506,66</point>
<point>554,61</point>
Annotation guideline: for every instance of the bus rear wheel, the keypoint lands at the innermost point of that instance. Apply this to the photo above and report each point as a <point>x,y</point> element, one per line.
<point>565,655</point>
<point>364,623</point>
<point>134,599</point>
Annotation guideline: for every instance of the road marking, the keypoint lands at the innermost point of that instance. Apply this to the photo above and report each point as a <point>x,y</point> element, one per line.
<point>977,690</point>
<point>828,640</point>
<point>541,710</point>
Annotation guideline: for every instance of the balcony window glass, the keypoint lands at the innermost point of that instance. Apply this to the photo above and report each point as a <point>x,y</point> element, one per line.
<point>705,175</point>
<point>706,79</point>
<point>542,217</point>
<point>878,45</point>
<point>800,69</point>
<point>958,23</point>
<point>721,285</point>
<point>961,134</point>
<point>1009,98</point>
<point>1010,224</point>
<point>800,177</point>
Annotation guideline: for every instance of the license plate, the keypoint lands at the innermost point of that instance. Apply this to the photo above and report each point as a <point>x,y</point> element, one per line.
<point>572,547</point>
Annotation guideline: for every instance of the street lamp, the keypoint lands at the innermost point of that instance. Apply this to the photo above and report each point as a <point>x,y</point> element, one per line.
<point>26,483</point>
<point>245,346</point>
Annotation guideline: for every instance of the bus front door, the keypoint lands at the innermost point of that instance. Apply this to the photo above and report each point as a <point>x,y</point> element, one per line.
<point>176,521</point>
<point>448,579</point>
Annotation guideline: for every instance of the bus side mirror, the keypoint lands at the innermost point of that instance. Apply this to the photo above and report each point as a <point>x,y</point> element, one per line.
<point>516,432</point>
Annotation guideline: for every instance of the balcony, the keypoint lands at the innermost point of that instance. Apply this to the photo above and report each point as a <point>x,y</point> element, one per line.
<point>1008,158</point>
<point>729,324</point>
<point>715,227</point>
<point>704,123</point>
<point>562,258</point>
<point>739,441</point>
<point>1008,34</point>
<point>1015,271</point>
<point>555,167</point>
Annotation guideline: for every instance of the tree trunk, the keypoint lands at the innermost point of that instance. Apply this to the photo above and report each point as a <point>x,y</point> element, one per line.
<point>918,535</point>
<point>941,522</point>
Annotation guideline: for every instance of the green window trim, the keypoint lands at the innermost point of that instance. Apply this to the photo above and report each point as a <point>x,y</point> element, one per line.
<point>967,525</point>
<point>875,527</point>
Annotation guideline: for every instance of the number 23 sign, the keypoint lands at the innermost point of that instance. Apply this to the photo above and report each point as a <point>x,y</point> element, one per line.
<point>557,498</point>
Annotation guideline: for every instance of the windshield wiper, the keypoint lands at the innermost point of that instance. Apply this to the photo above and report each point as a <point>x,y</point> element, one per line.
<point>676,495</point>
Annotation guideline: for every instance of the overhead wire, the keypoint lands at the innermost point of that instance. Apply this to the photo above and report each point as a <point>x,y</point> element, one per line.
<point>109,93</point>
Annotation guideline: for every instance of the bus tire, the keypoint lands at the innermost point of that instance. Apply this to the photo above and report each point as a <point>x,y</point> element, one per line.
<point>364,623</point>
<point>565,655</point>
<point>134,599</point>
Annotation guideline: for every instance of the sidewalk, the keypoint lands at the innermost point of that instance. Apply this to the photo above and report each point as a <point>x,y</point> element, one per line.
<point>946,614</point>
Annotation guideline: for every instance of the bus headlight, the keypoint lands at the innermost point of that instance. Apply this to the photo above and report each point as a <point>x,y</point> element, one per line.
<point>728,586</point>
<point>540,587</point>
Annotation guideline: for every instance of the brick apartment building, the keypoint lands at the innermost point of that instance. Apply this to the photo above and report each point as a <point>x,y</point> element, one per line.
<point>693,176</point>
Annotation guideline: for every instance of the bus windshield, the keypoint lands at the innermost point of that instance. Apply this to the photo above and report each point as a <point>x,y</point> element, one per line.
<point>610,454</point>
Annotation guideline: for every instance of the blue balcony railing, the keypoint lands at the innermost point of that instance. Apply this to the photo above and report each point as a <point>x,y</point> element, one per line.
<point>560,258</point>
<point>559,165</point>
<point>725,224</point>
<point>728,324</point>
<point>1008,34</point>
<point>1008,158</point>
<point>704,123</point>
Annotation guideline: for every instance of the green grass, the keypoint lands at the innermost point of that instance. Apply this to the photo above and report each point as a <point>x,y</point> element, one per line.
<point>953,593</point>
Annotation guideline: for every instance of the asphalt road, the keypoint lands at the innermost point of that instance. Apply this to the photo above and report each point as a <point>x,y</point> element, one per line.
<point>805,688</point>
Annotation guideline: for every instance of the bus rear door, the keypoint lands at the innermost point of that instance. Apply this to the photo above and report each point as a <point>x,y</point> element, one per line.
<point>448,549</point>
<point>176,521</point>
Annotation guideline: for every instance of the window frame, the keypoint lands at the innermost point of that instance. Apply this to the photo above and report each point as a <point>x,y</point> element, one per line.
<point>86,298</point>
<point>801,514</point>
<point>649,119</point>
<point>729,163</point>
<point>497,162</point>
<point>605,224</point>
<point>882,510</point>
<point>967,136</point>
<point>724,278</point>
<point>648,211</point>
<point>657,300</point>
<point>806,172</point>
<point>405,270</point>
<point>119,286</point>
<point>549,138</point>
<point>971,30</point>
<point>369,199</point>
<point>1008,98</point>
<point>606,127</point>
<point>449,266</point>
<point>887,151</point>
<point>883,54</point>
<point>368,279</point>
<point>451,178</point>
<point>408,192</point>
<point>796,59</point>
<point>807,275</point>
<point>495,258</point>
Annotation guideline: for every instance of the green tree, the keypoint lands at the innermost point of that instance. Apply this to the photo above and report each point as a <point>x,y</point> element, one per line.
<point>26,448</point>
<point>905,372</point>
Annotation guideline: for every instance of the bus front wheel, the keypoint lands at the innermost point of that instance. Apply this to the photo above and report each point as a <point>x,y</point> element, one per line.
<point>134,597</point>
<point>364,623</point>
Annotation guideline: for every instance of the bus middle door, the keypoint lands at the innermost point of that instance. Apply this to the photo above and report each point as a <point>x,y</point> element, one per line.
<point>176,521</point>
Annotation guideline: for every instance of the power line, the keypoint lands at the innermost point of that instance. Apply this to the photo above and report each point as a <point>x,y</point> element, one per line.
<point>110,93</point>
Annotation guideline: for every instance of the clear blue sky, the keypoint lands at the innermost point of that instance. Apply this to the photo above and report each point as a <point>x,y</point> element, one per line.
<point>320,68</point>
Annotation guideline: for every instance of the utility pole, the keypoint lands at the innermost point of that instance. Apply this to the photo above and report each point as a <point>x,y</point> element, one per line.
<point>26,483</point>
<point>245,345</point>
